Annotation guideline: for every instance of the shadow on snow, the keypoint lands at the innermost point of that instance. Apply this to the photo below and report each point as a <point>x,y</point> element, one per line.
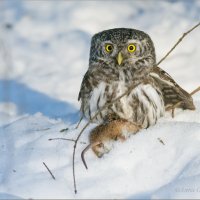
<point>31,101</point>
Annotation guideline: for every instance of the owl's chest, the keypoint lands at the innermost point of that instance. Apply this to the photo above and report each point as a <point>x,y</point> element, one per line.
<point>143,104</point>
<point>110,88</point>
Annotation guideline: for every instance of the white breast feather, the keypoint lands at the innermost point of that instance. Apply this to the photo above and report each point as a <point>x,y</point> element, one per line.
<point>97,93</point>
<point>127,110</point>
<point>155,109</point>
<point>153,114</point>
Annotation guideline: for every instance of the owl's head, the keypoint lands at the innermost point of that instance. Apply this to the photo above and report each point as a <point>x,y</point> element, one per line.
<point>122,47</point>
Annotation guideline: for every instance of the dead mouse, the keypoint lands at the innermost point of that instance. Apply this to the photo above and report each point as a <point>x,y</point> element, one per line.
<point>102,137</point>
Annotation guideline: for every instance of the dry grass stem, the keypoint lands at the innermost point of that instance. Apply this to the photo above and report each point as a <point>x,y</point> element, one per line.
<point>49,171</point>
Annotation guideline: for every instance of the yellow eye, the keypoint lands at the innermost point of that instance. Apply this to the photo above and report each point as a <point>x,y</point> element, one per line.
<point>131,48</point>
<point>108,47</point>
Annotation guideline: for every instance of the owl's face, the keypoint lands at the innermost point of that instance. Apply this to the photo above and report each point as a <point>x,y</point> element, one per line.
<point>122,48</point>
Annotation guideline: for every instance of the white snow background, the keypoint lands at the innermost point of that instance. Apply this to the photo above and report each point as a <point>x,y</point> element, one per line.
<point>44,51</point>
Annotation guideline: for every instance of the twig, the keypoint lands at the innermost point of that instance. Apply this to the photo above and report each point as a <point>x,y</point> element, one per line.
<point>180,39</point>
<point>49,171</point>
<point>79,122</point>
<point>44,129</point>
<point>161,141</point>
<point>177,104</point>
<point>112,102</point>
<point>72,140</point>
<point>64,129</point>
<point>195,91</point>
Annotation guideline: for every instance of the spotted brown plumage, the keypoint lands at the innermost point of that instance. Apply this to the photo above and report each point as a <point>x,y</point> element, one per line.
<point>112,71</point>
<point>172,92</point>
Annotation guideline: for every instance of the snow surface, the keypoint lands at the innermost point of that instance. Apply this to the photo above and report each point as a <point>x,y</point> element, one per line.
<point>44,51</point>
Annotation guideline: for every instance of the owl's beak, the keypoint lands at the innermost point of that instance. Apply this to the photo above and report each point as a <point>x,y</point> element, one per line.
<point>119,58</point>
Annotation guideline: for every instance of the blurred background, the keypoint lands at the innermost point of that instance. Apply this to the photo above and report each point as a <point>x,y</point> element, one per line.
<point>44,48</point>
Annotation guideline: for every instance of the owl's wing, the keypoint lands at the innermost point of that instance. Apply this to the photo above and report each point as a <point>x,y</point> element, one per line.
<point>172,92</point>
<point>85,84</point>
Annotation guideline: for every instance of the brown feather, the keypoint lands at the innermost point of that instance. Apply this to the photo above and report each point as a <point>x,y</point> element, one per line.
<point>171,91</point>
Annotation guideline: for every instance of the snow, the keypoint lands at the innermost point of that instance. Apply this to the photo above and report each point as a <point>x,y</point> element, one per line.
<point>44,51</point>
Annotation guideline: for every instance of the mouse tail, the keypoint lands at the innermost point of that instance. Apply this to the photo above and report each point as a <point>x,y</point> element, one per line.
<point>84,151</point>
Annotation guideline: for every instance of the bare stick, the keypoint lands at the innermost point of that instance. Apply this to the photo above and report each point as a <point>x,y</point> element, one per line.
<point>109,104</point>
<point>71,140</point>
<point>79,122</point>
<point>195,91</point>
<point>61,139</point>
<point>177,104</point>
<point>64,129</point>
<point>161,141</point>
<point>49,171</point>
<point>44,129</point>
<point>180,39</point>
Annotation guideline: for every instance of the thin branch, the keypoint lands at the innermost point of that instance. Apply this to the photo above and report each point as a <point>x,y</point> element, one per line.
<point>177,104</point>
<point>195,91</point>
<point>115,100</point>
<point>161,141</point>
<point>180,39</point>
<point>49,171</point>
<point>44,129</point>
<point>79,122</point>
<point>72,140</point>
<point>64,129</point>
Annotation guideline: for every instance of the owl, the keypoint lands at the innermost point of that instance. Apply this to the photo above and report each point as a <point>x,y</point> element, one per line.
<point>121,58</point>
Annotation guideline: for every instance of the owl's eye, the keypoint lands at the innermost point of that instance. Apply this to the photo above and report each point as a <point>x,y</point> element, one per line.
<point>131,48</point>
<point>108,47</point>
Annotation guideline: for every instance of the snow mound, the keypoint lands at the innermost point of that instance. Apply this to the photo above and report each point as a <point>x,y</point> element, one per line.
<point>140,167</point>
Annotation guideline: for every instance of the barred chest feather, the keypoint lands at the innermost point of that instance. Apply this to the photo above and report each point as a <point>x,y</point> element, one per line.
<point>143,105</point>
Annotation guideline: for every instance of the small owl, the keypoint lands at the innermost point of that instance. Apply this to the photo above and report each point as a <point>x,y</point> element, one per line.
<point>121,58</point>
